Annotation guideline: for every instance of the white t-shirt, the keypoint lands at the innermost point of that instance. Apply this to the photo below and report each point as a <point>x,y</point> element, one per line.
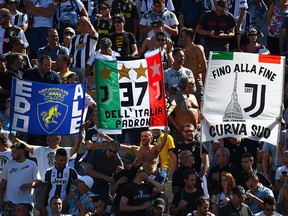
<point>46,158</point>
<point>41,21</point>
<point>262,214</point>
<point>98,55</point>
<point>17,174</point>
<point>5,156</point>
<point>279,172</point>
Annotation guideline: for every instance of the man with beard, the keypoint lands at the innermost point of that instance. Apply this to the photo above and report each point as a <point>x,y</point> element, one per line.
<point>200,156</point>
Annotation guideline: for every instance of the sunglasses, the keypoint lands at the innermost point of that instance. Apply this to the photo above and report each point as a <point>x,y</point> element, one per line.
<point>189,156</point>
<point>69,33</point>
<point>159,39</point>
<point>103,8</point>
<point>155,26</point>
<point>115,152</point>
<point>2,16</point>
<point>271,210</point>
<point>141,171</point>
<point>117,21</point>
<point>188,131</point>
<point>250,35</point>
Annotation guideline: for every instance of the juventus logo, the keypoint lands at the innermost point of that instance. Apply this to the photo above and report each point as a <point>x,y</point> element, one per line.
<point>254,89</point>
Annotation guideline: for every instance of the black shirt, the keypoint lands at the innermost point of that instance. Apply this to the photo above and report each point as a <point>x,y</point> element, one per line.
<point>121,42</point>
<point>195,148</point>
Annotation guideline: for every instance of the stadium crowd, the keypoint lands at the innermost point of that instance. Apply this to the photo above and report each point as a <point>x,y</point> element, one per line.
<point>57,41</point>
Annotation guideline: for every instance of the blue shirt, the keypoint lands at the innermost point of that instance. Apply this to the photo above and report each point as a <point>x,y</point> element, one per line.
<point>52,53</point>
<point>261,193</point>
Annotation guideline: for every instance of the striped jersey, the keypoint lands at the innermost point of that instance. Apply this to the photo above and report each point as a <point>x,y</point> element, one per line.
<point>19,19</point>
<point>81,47</point>
<point>59,181</point>
<point>5,36</point>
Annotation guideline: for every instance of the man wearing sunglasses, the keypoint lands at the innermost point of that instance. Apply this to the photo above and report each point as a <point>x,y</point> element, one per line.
<point>104,23</point>
<point>160,12</point>
<point>123,42</point>
<point>269,207</point>
<point>101,166</point>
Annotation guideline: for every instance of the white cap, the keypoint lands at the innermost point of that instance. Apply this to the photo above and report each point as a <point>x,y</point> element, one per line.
<point>264,51</point>
<point>87,179</point>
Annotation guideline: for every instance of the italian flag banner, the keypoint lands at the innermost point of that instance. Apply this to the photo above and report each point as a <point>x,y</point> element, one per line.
<point>130,94</point>
<point>243,96</point>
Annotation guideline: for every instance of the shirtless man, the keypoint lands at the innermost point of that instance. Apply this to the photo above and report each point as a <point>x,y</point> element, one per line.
<point>147,154</point>
<point>187,108</point>
<point>195,59</point>
<point>151,43</point>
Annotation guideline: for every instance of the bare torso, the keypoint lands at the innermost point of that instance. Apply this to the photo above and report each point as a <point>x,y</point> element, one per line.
<point>191,114</point>
<point>148,156</point>
<point>194,60</point>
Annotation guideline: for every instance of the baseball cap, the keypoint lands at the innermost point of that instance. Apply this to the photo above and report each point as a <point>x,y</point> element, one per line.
<point>105,4</point>
<point>87,179</point>
<point>18,145</point>
<point>118,16</point>
<point>159,202</point>
<point>158,22</point>
<point>128,158</point>
<point>183,82</point>
<point>239,191</point>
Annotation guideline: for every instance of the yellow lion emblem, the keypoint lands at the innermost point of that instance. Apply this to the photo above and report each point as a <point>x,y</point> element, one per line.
<point>48,117</point>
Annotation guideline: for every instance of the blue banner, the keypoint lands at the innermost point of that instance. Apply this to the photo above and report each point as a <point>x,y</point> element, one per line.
<point>41,108</point>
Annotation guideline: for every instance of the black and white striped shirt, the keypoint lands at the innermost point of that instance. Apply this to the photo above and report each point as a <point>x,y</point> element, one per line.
<point>59,181</point>
<point>19,19</point>
<point>81,47</point>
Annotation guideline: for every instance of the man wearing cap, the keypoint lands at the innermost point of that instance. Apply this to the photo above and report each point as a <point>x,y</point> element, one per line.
<point>159,206</point>
<point>104,24</point>
<point>187,108</point>
<point>236,205</point>
<point>58,180</point>
<point>160,12</point>
<point>7,31</point>
<point>130,11</point>
<point>67,36</point>
<point>80,201</point>
<point>122,42</point>
<point>19,177</point>
<point>152,43</point>
<point>17,18</point>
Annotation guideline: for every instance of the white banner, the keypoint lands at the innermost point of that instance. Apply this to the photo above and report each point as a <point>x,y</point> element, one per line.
<point>243,96</point>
